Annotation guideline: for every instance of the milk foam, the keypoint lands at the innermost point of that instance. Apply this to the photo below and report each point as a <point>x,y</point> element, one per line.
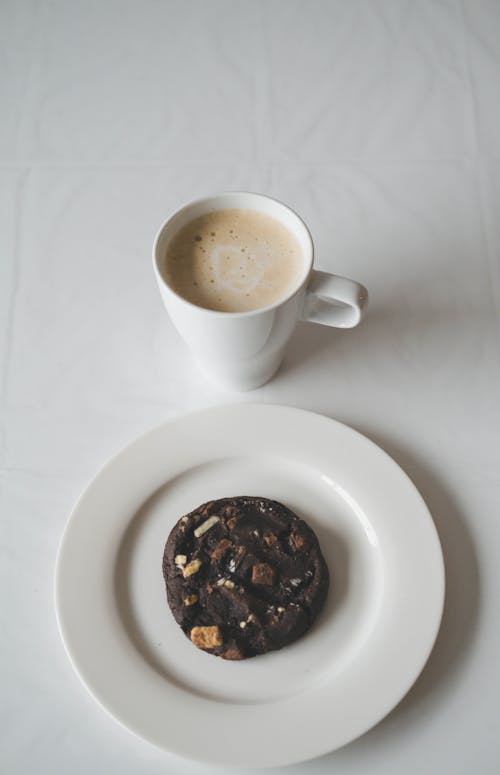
<point>233,261</point>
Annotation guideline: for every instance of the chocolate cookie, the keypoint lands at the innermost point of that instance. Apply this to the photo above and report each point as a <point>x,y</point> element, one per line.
<point>244,576</point>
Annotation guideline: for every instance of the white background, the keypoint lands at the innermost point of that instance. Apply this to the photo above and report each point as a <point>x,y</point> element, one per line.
<point>379,122</point>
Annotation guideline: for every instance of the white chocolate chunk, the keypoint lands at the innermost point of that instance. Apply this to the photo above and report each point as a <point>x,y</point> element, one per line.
<point>193,567</point>
<point>180,559</point>
<point>210,522</point>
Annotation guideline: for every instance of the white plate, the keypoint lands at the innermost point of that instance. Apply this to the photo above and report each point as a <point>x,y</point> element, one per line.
<point>362,655</point>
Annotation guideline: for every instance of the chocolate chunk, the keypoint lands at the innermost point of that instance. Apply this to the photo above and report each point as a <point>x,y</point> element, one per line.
<point>249,578</point>
<point>232,654</point>
<point>221,549</point>
<point>262,573</point>
<point>297,541</point>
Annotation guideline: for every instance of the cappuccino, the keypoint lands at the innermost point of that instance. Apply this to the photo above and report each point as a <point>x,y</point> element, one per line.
<point>233,261</point>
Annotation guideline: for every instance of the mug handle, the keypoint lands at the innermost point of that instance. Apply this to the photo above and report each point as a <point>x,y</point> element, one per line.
<point>334,301</point>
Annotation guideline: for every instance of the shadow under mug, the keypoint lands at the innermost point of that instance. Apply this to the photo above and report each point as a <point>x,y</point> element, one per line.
<point>243,350</point>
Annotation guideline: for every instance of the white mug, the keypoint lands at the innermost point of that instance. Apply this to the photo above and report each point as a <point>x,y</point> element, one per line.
<point>242,350</point>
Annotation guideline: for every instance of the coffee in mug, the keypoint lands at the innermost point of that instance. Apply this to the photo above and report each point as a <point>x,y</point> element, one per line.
<point>233,260</point>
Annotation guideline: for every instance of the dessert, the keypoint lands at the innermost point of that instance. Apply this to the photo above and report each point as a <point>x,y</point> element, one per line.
<point>244,576</point>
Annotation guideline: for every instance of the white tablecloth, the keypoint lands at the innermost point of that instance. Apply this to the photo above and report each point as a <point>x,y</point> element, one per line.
<point>379,122</point>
